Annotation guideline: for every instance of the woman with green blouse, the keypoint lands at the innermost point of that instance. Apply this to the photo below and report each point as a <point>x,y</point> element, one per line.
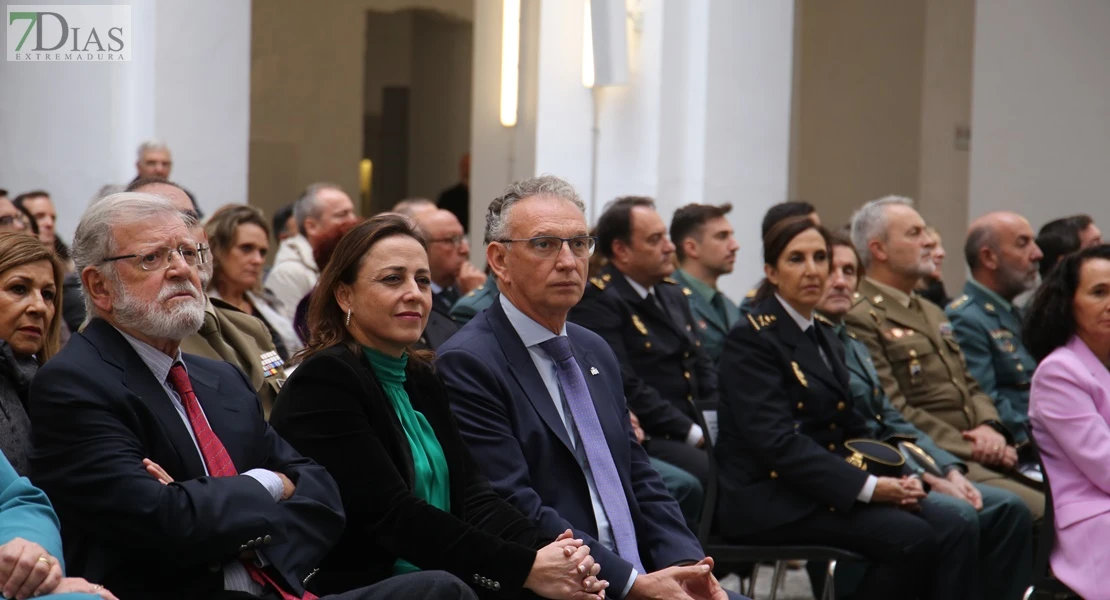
<point>375,414</point>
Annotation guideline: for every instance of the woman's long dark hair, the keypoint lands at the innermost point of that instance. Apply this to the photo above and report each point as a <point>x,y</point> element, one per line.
<point>326,321</point>
<point>1050,319</point>
<point>776,241</point>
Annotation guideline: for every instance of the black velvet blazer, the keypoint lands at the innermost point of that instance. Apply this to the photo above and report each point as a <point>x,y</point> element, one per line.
<point>333,410</point>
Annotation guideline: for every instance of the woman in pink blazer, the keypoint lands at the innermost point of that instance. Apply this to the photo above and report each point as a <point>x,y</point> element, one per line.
<point>1068,332</point>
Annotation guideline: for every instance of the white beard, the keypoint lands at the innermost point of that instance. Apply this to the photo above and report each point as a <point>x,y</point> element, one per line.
<point>156,321</point>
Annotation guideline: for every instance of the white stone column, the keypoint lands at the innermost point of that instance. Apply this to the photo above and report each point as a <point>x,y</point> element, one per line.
<point>72,127</point>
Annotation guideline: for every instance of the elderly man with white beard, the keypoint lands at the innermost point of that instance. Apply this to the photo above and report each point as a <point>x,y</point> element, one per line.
<point>166,478</point>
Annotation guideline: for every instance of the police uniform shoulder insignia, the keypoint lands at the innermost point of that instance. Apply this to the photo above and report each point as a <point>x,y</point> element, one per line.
<point>639,325</point>
<point>271,363</point>
<point>989,307</point>
<point>750,294</point>
<point>823,319</point>
<point>751,319</point>
<point>598,283</point>
<point>669,280</point>
<point>687,291</point>
<point>798,373</point>
<point>958,302</point>
<point>606,277</point>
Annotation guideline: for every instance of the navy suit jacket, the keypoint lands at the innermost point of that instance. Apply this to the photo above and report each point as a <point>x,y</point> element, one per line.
<point>98,411</point>
<point>509,421</point>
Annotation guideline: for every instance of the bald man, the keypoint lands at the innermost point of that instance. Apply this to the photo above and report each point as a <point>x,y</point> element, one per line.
<point>448,253</point>
<point>1003,257</point>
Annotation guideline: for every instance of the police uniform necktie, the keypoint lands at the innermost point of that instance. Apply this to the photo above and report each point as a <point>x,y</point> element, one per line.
<point>600,460</point>
<point>217,460</point>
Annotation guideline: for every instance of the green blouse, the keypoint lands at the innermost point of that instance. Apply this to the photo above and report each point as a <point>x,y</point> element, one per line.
<point>432,483</point>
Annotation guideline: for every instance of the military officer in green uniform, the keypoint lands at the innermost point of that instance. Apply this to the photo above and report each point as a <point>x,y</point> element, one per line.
<point>916,354</point>
<point>475,301</point>
<point>706,250</point>
<point>1003,256</point>
<point>1005,524</point>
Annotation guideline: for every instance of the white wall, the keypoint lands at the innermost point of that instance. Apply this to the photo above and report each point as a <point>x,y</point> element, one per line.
<point>71,128</point>
<point>1041,109</point>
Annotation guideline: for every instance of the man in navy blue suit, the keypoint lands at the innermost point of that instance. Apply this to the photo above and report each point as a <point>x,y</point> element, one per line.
<point>166,478</point>
<point>541,405</point>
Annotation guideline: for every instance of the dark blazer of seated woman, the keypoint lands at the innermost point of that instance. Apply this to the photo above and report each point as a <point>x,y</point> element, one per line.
<point>334,410</point>
<point>377,418</point>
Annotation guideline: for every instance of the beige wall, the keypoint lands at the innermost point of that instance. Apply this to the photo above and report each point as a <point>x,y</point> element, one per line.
<point>307,92</point>
<point>880,88</point>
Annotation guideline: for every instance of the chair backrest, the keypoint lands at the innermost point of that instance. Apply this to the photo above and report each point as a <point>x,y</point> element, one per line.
<point>1047,535</point>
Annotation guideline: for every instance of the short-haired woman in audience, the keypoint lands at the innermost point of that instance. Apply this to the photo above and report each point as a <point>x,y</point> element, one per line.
<point>376,416</point>
<point>786,412</point>
<point>240,239</point>
<point>1068,332</point>
<point>30,331</point>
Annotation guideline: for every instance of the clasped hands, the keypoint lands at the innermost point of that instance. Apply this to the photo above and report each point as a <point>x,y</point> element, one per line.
<point>905,492</point>
<point>27,570</point>
<point>564,569</point>
<point>990,448</point>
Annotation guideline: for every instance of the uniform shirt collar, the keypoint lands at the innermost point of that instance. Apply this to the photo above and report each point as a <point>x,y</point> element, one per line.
<point>530,332</point>
<point>991,295</point>
<point>803,323</point>
<point>897,295</point>
<point>436,288</point>
<point>641,290</point>
<point>698,286</point>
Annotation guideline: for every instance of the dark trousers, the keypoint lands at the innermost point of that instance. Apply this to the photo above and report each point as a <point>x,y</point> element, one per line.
<point>902,547</point>
<point>425,585</point>
<point>694,461</point>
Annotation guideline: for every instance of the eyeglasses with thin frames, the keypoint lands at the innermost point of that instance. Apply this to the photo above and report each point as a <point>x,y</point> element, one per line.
<point>548,246</point>
<point>162,257</point>
<point>455,240</point>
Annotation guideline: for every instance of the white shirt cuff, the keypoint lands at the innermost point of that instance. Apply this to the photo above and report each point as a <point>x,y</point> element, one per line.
<point>631,579</point>
<point>269,480</point>
<point>868,490</point>
<point>695,435</point>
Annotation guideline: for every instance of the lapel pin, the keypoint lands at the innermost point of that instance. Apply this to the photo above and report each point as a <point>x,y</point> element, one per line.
<point>594,371</point>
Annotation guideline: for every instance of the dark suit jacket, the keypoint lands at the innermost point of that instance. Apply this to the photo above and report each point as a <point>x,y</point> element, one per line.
<point>512,427</point>
<point>440,327</point>
<point>665,373</point>
<point>97,412</point>
<point>784,417</point>
<point>334,410</point>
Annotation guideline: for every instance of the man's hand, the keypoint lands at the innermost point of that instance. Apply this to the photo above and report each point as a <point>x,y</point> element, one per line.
<point>970,492</point>
<point>987,445</point>
<point>469,278</point>
<point>705,588</point>
<point>668,584</point>
<point>1009,457</point>
<point>636,429</point>
<point>27,569</point>
<point>157,472</point>
<point>904,492</point>
<point>287,487</point>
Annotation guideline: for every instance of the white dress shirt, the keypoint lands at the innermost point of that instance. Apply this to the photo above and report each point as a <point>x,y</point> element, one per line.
<point>868,489</point>
<point>532,334</point>
<point>695,434</point>
<point>235,574</point>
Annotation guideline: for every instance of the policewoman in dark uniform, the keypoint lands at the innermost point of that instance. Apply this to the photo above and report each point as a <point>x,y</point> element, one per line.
<point>785,415</point>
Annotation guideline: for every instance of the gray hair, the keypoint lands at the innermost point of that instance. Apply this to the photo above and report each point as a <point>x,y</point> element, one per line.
<point>95,238</point>
<point>307,206</point>
<point>152,145</point>
<point>869,223</point>
<point>550,186</point>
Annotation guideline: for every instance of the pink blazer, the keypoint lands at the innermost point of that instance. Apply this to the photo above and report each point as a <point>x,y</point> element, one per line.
<point>1069,408</point>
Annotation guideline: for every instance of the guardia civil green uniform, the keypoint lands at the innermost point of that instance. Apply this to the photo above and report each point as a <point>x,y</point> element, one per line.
<point>475,301</point>
<point>714,313</point>
<point>233,336</point>
<point>1005,524</point>
<point>923,373</point>
<point>989,331</point>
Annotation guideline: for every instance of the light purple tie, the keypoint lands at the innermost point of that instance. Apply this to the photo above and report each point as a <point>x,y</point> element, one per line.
<point>592,438</point>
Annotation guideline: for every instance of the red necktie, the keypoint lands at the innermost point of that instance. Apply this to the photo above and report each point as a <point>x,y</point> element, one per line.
<point>217,460</point>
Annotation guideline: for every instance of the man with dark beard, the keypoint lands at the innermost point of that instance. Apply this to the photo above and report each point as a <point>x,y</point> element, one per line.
<point>166,478</point>
<point>1003,258</point>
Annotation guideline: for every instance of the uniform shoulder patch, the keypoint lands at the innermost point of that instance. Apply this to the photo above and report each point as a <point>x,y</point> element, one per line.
<point>761,321</point>
<point>687,291</point>
<point>750,294</point>
<point>670,280</point>
<point>606,277</point>
<point>958,302</point>
<point>598,283</point>
<point>823,319</point>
